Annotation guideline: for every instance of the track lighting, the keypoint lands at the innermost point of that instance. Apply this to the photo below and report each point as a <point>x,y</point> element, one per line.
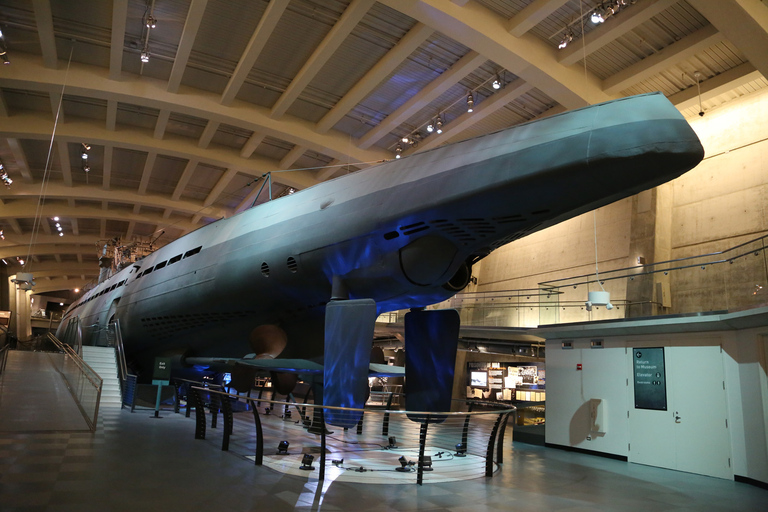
<point>405,140</point>
<point>470,102</point>
<point>597,16</point>
<point>439,125</point>
<point>87,168</point>
<point>567,38</point>
<point>398,150</point>
<point>7,181</point>
<point>145,54</point>
<point>430,127</point>
<point>151,21</point>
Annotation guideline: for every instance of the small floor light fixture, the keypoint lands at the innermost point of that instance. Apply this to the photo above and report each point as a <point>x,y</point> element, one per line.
<point>306,462</point>
<point>392,442</point>
<point>403,465</point>
<point>426,463</point>
<point>461,450</point>
<point>282,448</point>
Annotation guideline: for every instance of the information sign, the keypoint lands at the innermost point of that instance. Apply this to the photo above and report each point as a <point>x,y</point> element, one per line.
<point>650,379</point>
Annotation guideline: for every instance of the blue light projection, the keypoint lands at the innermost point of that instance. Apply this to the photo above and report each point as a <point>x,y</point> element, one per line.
<point>348,339</point>
<point>431,340</point>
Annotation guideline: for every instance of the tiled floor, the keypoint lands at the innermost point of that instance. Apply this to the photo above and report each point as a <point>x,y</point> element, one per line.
<point>137,463</point>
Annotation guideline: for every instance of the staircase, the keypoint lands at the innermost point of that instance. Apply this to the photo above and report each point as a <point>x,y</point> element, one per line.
<point>102,360</point>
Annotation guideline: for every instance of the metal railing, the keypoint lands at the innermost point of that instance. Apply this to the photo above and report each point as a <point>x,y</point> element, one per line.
<point>739,274</point>
<point>410,446</point>
<point>83,382</point>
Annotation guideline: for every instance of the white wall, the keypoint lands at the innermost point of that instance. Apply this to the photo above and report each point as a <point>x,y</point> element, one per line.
<point>606,375</point>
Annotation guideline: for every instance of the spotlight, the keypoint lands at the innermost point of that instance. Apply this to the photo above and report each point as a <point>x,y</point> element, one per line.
<point>430,127</point>
<point>398,150</point>
<point>405,140</point>
<point>439,125</point>
<point>392,442</point>
<point>567,38</point>
<point>86,168</point>
<point>597,16</point>
<point>426,463</point>
<point>84,155</point>
<point>403,465</point>
<point>496,83</point>
<point>306,462</point>
<point>56,219</point>
<point>61,234</point>
<point>470,103</point>
<point>461,450</point>
<point>282,448</point>
<point>86,147</point>
<point>145,54</point>
<point>5,59</point>
<point>59,228</point>
<point>337,463</point>
<point>151,21</point>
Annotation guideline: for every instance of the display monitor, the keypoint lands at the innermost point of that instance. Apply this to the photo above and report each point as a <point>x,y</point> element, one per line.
<point>478,379</point>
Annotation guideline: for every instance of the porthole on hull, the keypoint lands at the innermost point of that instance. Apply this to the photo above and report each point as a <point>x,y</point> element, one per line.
<point>265,269</point>
<point>293,265</point>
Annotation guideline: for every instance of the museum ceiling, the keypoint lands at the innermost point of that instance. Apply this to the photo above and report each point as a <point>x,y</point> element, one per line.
<point>180,122</point>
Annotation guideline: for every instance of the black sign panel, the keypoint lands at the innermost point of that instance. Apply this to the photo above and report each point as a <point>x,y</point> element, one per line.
<point>650,379</point>
<point>162,370</point>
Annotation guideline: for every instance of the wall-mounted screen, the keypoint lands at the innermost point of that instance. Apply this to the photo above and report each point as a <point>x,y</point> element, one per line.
<point>478,379</point>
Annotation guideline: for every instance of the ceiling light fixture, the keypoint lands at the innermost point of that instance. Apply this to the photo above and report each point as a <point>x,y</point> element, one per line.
<point>398,150</point>
<point>145,54</point>
<point>567,38</point>
<point>151,21</point>
<point>4,177</point>
<point>597,16</point>
<point>439,125</point>
<point>430,127</point>
<point>470,102</point>
<point>3,49</point>
<point>497,83</point>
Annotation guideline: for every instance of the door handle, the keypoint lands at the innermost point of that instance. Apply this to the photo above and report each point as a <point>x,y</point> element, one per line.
<point>677,417</point>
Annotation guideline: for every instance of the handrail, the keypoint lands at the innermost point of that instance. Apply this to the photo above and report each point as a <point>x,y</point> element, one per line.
<point>82,365</point>
<point>569,280</point>
<point>122,366</point>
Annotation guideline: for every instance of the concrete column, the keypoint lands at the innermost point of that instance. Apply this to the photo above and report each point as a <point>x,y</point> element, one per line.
<point>19,304</point>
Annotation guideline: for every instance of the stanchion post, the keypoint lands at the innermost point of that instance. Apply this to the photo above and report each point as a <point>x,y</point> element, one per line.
<point>321,477</point>
<point>385,422</point>
<point>422,445</point>
<point>199,413</point>
<point>259,436</point>
<point>226,412</point>
<point>489,451</point>
<point>500,445</point>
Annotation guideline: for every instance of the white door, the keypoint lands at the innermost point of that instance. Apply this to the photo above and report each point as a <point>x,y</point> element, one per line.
<point>692,434</point>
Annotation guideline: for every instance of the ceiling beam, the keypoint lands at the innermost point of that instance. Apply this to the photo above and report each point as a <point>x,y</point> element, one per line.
<point>46,250</point>
<point>191,26</point>
<point>324,51</point>
<point>381,70</point>
<point>533,14</point>
<point>66,168</point>
<point>106,171</point>
<point>55,285</point>
<point>613,28</point>
<point>251,144</point>
<point>744,23</point>
<point>294,154</point>
<point>162,123</point>
<point>32,126</point>
<point>208,132</point>
<point>264,29</point>
<point>44,21</point>
<point>90,81</point>
<point>715,86</point>
<point>490,105</point>
<point>58,191</point>
<point>119,17</point>
<point>189,170</point>
<point>663,59</point>
<point>21,159</point>
<point>427,95</point>
<point>111,114</point>
<point>220,186</point>
<point>149,164</point>
<point>528,57</point>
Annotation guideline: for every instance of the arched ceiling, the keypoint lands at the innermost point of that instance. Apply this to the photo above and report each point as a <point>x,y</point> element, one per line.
<point>307,90</point>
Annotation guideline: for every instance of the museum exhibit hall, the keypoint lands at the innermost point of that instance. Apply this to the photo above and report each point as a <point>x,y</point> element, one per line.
<point>383,255</point>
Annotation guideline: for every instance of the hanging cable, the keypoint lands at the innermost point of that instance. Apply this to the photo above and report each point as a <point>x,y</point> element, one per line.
<point>47,171</point>
<point>597,271</point>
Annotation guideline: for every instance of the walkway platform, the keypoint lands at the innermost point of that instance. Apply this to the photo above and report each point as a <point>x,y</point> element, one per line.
<point>34,397</point>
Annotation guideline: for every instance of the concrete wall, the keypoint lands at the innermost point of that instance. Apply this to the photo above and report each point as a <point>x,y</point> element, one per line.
<point>721,203</point>
<point>606,375</point>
